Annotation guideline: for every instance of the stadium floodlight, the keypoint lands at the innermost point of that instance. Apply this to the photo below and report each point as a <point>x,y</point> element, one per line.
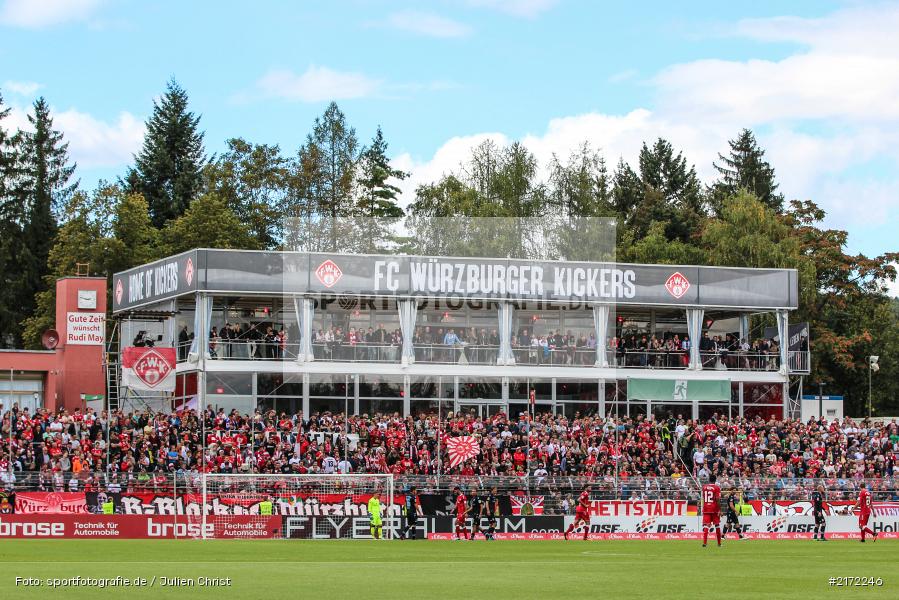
<point>873,367</point>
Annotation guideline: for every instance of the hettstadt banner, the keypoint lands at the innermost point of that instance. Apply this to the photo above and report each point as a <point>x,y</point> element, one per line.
<point>279,273</point>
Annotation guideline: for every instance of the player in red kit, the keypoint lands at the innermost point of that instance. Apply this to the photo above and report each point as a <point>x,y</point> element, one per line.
<point>461,511</point>
<point>865,510</point>
<point>711,510</point>
<point>582,513</point>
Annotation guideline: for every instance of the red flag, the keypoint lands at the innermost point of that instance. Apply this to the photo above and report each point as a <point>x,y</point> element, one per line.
<point>151,369</point>
<point>461,449</point>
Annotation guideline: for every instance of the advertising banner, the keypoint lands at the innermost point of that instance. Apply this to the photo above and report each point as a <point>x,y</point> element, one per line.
<point>85,329</point>
<point>135,527</point>
<point>639,508</point>
<point>426,527</point>
<point>54,503</point>
<point>679,390</point>
<point>439,276</point>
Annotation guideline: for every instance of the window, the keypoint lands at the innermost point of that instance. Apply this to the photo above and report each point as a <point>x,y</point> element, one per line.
<point>232,384</point>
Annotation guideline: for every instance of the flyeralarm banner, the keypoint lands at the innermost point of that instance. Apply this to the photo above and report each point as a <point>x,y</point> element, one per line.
<point>149,369</point>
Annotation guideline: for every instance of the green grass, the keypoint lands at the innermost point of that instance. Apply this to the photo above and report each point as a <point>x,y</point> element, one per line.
<point>370,570</point>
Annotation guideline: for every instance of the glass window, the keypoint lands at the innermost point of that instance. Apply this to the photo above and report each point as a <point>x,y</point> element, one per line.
<point>762,393</point>
<point>572,389</point>
<point>330,385</point>
<point>279,384</point>
<point>519,389</point>
<point>485,389</point>
<point>373,386</point>
<point>372,406</point>
<point>235,384</point>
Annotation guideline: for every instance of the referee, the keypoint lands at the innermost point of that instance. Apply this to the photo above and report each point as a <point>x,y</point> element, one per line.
<point>733,522</point>
<point>411,512</point>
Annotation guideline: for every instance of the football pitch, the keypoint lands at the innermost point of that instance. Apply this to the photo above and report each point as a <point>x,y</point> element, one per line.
<point>444,569</point>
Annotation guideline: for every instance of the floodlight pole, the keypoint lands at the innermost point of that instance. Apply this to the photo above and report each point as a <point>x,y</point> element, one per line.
<point>870,373</point>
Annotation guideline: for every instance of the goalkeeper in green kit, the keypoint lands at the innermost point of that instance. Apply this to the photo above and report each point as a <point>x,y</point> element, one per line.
<point>374,515</point>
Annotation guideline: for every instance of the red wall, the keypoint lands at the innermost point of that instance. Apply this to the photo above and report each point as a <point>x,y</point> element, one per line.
<point>80,367</point>
<point>70,370</point>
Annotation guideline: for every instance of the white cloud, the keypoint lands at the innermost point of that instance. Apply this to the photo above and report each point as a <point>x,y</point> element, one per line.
<point>21,88</point>
<point>518,8</point>
<point>33,14</point>
<point>827,116</point>
<point>317,84</point>
<point>97,143</point>
<point>427,24</point>
<point>92,142</point>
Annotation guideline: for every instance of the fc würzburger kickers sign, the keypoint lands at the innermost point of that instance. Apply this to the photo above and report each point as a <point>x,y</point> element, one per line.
<point>149,369</point>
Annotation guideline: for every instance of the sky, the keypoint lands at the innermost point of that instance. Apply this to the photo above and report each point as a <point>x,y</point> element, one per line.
<point>817,81</point>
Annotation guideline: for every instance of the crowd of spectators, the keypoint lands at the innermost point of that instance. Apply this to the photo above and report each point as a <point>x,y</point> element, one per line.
<point>63,447</point>
<point>668,350</point>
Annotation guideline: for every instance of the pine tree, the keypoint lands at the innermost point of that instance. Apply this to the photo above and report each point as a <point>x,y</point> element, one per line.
<point>11,238</point>
<point>168,170</point>
<point>322,185</point>
<point>378,196</point>
<point>44,188</point>
<point>745,168</point>
<point>666,190</point>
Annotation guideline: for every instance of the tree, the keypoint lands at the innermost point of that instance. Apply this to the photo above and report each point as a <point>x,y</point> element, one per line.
<point>252,179</point>
<point>665,190</point>
<point>378,195</point>
<point>43,187</point>
<point>849,313</point>
<point>322,184</point>
<point>168,170</point>
<point>745,168</point>
<point>12,242</point>
<point>208,223</point>
<point>80,239</point>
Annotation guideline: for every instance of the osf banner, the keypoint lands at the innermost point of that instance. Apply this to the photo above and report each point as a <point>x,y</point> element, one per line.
<point>149,369</point>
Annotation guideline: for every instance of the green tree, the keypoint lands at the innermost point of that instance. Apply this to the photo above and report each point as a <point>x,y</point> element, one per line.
<point>664,190</point>
<point>744,167</point>
<point>849,313</point>
<point>12,242</point>
<point>80,239</point>
<point>656,248</point>
<point>252,179</point>
<point>43,187</point>
<point>322,185</point>
<point>207,223</point>
<point>377,192</point>
<point>168,169</point>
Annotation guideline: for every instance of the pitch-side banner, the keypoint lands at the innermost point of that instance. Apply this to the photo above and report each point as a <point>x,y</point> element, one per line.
<point>149,369</point>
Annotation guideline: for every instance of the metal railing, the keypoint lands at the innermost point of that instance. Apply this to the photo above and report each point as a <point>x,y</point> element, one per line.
<point>553,490</point>
<point>479,354</point>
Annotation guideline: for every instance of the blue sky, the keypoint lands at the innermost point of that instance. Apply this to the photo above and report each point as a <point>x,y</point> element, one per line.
<point>817,81</point>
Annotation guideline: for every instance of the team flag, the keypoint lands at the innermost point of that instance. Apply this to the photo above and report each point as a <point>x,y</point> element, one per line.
<point>461,449</point>
<point>149,369</point>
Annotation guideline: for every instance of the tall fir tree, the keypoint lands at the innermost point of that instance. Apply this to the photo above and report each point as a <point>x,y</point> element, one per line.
<point>168,169</point>
<point>44,187</point>
<point>377,194</point>
<point>322,185</point>
<point>12,240</point>
<point>744,167</point>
